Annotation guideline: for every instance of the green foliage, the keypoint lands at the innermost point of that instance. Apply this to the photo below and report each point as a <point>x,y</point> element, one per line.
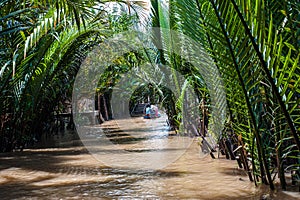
<point>254,44</point>
<point>42,46</point>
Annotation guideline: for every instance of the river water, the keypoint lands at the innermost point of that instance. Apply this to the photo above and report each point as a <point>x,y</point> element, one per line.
<point>66,169</point>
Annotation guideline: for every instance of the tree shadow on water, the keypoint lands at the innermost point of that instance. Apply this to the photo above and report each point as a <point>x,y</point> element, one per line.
<point>46,174</point>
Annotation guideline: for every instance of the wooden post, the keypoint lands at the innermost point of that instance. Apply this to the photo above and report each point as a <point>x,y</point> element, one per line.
<point>101,119</point>
<point>203,110</point>
<point>244,157</point>
<point>105,108</point>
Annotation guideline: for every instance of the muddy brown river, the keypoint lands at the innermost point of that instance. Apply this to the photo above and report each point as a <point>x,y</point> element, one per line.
<point>66,169</point>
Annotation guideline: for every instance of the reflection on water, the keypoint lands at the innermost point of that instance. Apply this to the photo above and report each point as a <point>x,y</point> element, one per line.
<point>68,171</point>
<point>134,143</point>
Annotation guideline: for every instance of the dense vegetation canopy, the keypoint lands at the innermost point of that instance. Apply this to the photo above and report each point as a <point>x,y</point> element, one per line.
<point>253,44</point>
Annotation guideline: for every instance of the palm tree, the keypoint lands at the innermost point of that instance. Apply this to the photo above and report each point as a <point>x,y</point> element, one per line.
<point>43,44</point>
<point>255,47</point>
<point>253,44</point>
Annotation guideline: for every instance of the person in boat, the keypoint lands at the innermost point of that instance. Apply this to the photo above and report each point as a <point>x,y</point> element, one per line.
<point>147,112</point>
<point>154,112</point>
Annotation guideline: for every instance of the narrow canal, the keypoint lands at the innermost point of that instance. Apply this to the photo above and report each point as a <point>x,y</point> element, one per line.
<point>65,169</point>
